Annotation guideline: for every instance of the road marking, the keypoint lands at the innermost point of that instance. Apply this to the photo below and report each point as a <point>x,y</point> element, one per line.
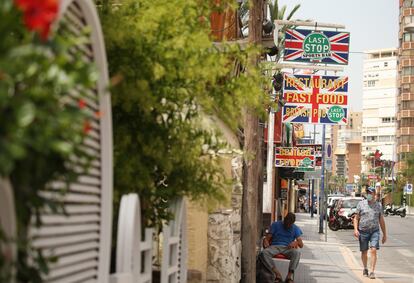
<point>354,265</point>
<point>405,252</point>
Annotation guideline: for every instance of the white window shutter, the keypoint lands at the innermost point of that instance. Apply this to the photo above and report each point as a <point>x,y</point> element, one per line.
<point>82,238</point>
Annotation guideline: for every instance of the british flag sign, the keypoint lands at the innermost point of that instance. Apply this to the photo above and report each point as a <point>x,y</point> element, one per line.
<point>315,99</point>
<point>327,47</point>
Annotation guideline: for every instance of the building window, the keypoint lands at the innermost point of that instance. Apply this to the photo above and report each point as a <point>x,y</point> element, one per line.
<point>388,119</point>
<point>409,36</point>
<point>408,19</point>
<point>385,138</point>
<point>385,64</point>
<point>407,139</point>
<point>407,122</point>
<point>407,105</point>
<point>408,71</point>
<point>408,3</point>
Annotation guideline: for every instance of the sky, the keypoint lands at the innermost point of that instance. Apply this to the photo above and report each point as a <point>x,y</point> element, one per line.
<point>373,24</point>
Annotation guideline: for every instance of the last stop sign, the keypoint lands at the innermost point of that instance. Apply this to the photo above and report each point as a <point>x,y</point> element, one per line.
<point>316,45</point>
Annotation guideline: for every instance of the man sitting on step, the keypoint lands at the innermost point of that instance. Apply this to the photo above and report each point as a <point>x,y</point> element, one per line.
<point>283,238</point>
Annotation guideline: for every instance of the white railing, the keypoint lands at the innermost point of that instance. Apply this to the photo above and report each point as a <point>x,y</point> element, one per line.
<point>134,255</point>
<point>131,249</point>
<point>174,256</point>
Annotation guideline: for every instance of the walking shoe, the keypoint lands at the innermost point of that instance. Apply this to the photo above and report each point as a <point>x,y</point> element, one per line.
<point>365,272</point>
<point>372,275</point>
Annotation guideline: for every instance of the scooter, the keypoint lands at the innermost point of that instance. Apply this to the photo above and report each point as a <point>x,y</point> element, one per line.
<point>391,210</point>
<point>341,221</point>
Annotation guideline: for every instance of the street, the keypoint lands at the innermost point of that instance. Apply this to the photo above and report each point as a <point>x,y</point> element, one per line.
<point>395,258</point>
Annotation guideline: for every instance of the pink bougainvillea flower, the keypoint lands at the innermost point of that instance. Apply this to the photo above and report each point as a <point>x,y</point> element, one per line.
<point>39,15</point>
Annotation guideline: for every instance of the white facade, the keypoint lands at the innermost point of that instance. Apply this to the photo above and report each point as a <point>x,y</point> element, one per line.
<point>379,103</point>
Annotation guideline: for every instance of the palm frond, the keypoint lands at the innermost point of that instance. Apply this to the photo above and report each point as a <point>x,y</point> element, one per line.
<point>281,14</point>
<point>293,12</point>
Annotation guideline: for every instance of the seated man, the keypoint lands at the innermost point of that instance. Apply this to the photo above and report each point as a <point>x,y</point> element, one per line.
<point>283,238</point>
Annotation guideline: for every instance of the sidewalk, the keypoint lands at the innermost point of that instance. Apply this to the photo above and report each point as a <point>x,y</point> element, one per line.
<point>323,261</point>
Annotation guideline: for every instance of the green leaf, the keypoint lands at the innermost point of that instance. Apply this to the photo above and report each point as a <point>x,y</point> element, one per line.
<point>26,114</point>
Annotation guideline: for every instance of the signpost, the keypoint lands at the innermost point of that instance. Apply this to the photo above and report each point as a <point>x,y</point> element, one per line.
<point>408,189</point>
<point>315,99</point>
<point>329,47</point>
<point>296,157</point>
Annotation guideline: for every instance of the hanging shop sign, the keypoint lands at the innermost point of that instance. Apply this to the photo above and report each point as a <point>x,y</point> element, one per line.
<point>327,47</point>
<point>318,153</point>
<point>315,99</point>
<point>296,157</point>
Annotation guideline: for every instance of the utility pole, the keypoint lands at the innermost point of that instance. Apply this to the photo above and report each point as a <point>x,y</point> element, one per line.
<point>251,163</point>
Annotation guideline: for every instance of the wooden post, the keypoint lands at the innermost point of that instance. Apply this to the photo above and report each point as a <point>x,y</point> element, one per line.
<point>251,163</point>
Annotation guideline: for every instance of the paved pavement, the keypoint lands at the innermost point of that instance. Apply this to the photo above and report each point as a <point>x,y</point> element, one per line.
<point>396,257</point>
<point>322,261</point>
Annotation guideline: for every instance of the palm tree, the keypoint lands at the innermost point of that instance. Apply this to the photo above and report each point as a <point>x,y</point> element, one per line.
<point>276,13</point>
<point>279,14</point>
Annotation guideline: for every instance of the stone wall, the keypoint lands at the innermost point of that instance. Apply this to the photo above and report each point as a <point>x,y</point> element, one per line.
<point>224,226</point>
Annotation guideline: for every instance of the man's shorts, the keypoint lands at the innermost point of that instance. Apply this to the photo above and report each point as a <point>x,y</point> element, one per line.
<point>369,239</point>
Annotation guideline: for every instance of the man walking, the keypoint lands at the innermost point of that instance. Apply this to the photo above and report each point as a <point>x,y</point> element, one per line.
<point>369,217</point>
<point>283,238</point>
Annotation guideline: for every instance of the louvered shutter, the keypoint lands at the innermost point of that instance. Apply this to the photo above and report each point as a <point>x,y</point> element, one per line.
<point>82,239</point>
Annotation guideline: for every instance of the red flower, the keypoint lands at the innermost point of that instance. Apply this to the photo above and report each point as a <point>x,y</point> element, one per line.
<point>81,103</point>
<point>86,127</point>
<point>39,15</point>
<point>98,114</point>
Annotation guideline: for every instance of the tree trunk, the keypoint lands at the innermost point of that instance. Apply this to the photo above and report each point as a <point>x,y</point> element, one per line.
<point>251,164</point>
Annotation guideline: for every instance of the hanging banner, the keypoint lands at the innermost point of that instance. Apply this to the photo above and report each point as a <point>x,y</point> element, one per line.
<point>296,157</point>
<point>315,99</point>
<point>327,47</point>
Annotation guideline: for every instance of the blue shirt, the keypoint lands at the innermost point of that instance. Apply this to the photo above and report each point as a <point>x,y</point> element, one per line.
<point>282,236</point>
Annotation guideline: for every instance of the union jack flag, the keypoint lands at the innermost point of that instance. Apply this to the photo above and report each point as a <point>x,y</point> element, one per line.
<point>308,98</point>
<point>339,42</point>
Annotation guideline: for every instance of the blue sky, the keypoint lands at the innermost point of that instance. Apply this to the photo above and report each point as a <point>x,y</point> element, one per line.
<point>373,24</point>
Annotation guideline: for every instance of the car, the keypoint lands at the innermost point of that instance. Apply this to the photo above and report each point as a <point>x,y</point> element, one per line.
<point>346,205</point>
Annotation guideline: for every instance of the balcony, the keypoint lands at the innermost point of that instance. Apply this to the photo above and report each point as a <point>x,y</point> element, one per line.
<point>407,45</point>
<point>406,79</point>
<point>406,63</point>
<point>405,131</point>
<point>407,12</point>
<point>407,113</point>
<point>405,96</point>
<point>405,148</point>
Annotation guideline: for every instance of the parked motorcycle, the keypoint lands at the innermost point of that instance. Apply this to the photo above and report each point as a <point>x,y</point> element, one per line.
<point>340,220</point>
<point>391,210</point>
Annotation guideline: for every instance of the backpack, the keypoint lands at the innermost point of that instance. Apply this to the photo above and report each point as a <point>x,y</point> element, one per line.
<point>264,274</point>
